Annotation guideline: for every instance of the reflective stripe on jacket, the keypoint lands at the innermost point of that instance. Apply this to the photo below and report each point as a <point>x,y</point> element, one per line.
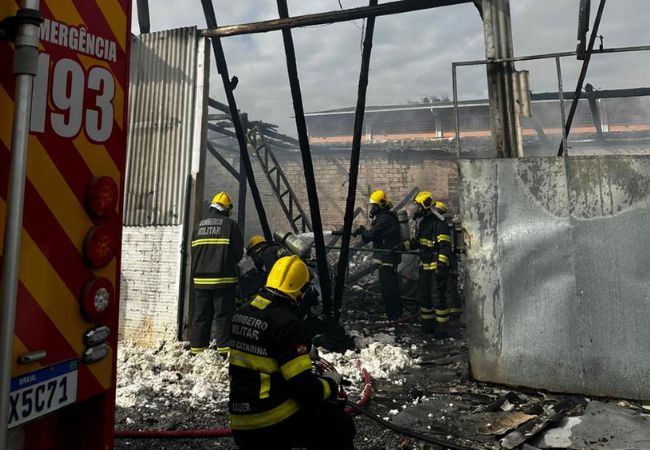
<point>270,367</point>
<point>217,247</point>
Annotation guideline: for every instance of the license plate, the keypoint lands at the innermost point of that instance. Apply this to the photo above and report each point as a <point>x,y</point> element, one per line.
<point>38,393</point>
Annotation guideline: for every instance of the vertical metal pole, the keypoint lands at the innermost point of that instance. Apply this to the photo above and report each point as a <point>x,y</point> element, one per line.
<point>222,67</point>
<point>241,204</point>
<point>583,74</point>
<point>310,180</point>
<point>354,165</point>
<point>454,77</point>
<point>25,67</point>
<point>560,90</point>
<point>498,45</point>
<point>143,16</point>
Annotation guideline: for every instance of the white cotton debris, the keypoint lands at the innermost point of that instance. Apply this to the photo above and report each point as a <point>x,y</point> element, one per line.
<point>381,360</point>
<point>169,370</point>
<point>393,412</point>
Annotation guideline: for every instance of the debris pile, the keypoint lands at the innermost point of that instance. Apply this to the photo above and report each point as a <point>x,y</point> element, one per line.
<point>422,392</point>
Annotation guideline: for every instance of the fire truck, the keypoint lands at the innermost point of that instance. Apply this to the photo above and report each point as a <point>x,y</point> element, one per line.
<point>61,284</point>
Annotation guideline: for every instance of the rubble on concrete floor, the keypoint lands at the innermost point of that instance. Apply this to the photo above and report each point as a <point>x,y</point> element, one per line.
<point>420,385</point>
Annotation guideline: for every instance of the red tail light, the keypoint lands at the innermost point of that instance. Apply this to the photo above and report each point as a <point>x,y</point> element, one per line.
<point>100,245</point>
<point>97,299</point>
<point>101,196</point>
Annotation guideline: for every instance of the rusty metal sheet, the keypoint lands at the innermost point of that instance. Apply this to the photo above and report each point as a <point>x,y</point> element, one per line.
<point>558,292</point>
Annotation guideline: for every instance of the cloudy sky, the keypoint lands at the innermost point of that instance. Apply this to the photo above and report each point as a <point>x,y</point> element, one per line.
<point>412,52</point>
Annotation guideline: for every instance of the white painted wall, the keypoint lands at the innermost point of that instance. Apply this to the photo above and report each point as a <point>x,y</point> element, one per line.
<point>151,264</point>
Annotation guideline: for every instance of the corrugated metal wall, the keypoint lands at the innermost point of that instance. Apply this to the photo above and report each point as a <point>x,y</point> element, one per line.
<point>161,123</point>
<point>558,292</point>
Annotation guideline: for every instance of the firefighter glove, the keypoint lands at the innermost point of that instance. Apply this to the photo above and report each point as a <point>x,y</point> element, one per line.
<point>334,380</point>
<point>359,230</point>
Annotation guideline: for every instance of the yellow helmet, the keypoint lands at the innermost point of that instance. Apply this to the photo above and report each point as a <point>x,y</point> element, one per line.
<point>254,242</point>
<point>424,199</point>
<point>378,198</point>
<point>440,206</point>
<point>222,202</point>
<point>289,276</point>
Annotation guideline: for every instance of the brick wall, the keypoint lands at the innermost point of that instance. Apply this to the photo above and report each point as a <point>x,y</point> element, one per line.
<point>151,256</point>
<point>150,279</point>
<point>397,173</point>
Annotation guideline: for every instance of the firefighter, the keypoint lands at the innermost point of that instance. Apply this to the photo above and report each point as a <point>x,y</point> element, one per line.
<point>263,254</point>
<point>217,247</point>
<point>434,243</point>
<point>453,297</point>
<point>384,233</point>
<point>276,401</point>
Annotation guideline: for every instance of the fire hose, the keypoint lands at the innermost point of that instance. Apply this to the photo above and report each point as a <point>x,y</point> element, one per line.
<point>321,365</point>
<point>352,408</point>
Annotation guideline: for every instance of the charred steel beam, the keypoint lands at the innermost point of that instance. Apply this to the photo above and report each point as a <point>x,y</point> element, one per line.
<point>143,16</point>
<point>218,105</point>
<point>279,136</point>
<point>610,93</point>
<point>595,112</point>
<point>215,117</point>
<point>241,204</point>
<point>583,26</point>
<point>354,166</point>
<point>583,74</point>
<point>605,51</point>
<point>228,86</point>
<point>221,130</point>
<point>310,180</point>
<point>409,197</point>
<point>344,15</point>
<point>539,128</point>
<point>226,165</point>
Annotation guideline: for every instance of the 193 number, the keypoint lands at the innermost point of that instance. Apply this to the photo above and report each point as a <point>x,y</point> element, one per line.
<point>66,93</point>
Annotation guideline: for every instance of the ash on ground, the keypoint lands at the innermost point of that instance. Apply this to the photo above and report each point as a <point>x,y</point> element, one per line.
<point>419,384</point>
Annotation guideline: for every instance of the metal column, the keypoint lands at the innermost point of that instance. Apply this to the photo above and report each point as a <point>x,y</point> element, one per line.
<point>498,45</point>
<point>354,165</point>
<point>229,86</point>
<point>241,203</point>
<point>143,16</point>
<point>583,75</point>
<point>310,180</point>
<point>25,67</point>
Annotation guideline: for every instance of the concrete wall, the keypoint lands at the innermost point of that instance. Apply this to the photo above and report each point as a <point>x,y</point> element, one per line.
<point>395,172</point>
<point>150,283</point>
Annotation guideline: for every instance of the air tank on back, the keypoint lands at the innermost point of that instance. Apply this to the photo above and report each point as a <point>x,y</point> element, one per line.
<point>294,244</point>
<point>404,228</point>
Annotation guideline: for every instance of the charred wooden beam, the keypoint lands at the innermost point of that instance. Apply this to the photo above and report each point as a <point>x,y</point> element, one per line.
<point>344,15</point>
<point>354,165</point>
<point>228,85</point>
<point>308,167</point>
<point>222,130</point>
<point>212,148</point>
<point>143,16</point>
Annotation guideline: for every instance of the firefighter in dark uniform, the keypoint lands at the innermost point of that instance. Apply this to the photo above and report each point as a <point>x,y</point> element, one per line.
<point>217,247</point>
<point>434,242</point>
<point>384,233</point>
<point>276,402</point>
<point>264,254</point>
<point>453,297</point>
